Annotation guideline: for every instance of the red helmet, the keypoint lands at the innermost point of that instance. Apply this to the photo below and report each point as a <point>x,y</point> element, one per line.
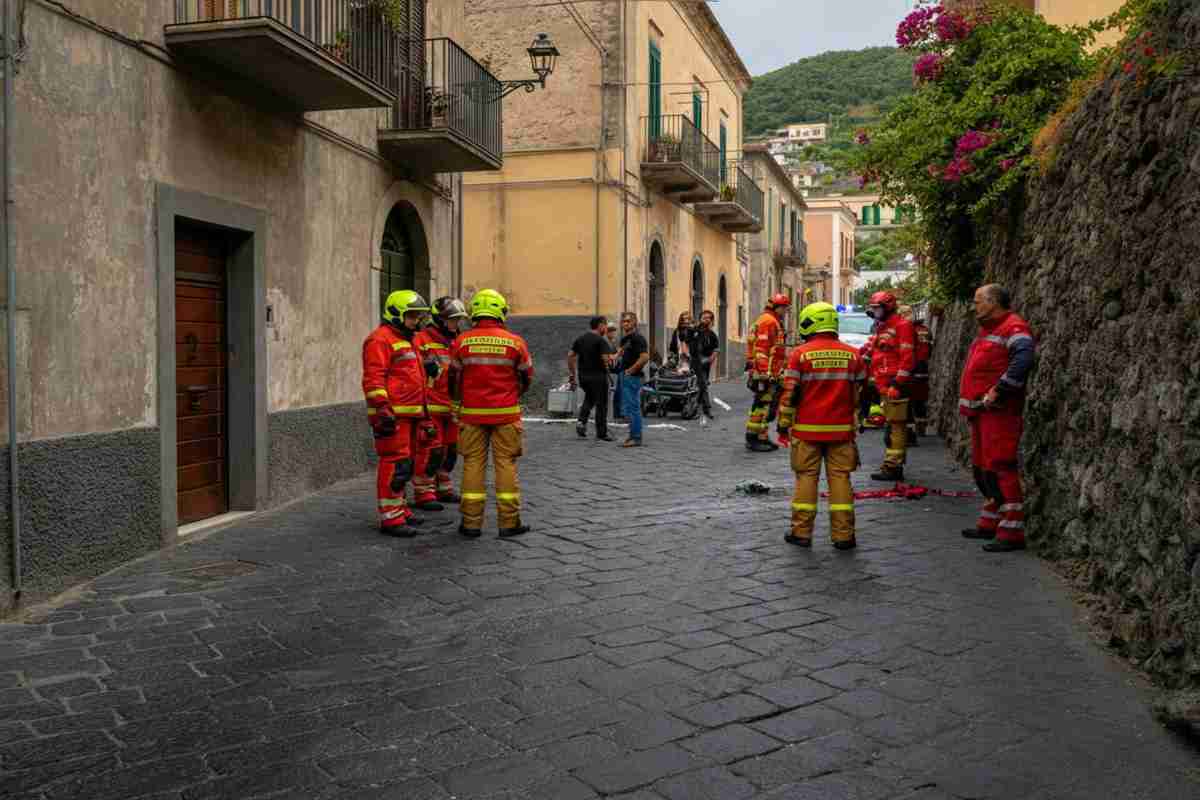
<point>779,300</point>
<point>885,299</point>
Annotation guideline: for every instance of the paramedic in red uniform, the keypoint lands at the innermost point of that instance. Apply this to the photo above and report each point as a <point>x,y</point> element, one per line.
<point>992,398</point>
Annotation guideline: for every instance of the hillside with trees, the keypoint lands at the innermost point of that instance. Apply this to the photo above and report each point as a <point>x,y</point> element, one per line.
<point>854,86</point>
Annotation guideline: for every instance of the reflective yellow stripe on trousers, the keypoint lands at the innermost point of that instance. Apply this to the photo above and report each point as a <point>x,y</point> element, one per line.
<point>483,412</point>
<point>474,496</point>
<point>804,506</point>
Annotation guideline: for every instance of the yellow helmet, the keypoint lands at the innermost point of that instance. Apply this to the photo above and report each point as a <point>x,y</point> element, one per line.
<point>489,303</point>
<point>400,302</point>
<point>818,318</point>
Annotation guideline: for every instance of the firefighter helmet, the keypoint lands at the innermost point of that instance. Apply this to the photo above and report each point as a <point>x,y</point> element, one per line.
<point>876,417</point>
<point>779,300</point>
<point>817,318</point>
<point>489,303</point>
<point>886,300</point>
<point>445,308</point>
<point>401,302</point>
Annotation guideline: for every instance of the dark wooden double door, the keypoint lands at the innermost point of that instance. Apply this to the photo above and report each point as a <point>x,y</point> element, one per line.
<point>201,372</point>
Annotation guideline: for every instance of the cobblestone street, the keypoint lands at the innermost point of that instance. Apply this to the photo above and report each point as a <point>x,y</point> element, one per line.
<point>653,638</point>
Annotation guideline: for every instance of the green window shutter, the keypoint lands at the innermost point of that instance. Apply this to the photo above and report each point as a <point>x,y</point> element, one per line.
<point>724,145</point>
<point>698,110</point>
<point>866,215</point>
<point>655,91</point>
<point>875,214</point>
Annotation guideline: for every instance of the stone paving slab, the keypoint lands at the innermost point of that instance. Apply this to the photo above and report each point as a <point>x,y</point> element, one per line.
<point>652,639</point>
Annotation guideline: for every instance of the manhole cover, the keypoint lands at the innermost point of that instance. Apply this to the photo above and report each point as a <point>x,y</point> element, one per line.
<point>216,571</point>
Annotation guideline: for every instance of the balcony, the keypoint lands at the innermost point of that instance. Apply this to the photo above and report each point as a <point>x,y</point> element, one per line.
<point>790,254</point>
<point>739,206</point>
<point>447,120</point>
<point>289,55</point>
<point>678,160</point>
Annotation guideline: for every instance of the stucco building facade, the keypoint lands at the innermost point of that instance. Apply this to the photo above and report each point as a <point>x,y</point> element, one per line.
<point>208,202</point>
<point>621,187</point>
<point>829,231</point>
<point>779,254</point>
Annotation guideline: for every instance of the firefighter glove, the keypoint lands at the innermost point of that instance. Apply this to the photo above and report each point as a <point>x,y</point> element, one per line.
<point>432,369</point>
<point>384,426</point>
<point>429,431</point>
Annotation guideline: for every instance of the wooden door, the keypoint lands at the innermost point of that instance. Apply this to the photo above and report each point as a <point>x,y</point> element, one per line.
<point>201,373</point>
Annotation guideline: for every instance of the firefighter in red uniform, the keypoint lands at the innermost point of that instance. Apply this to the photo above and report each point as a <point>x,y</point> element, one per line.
<point>992,398</point>
<point>820,395</point>
<point>490,370</point>
<point>918,414</point>
<point>766,357</point>
<point>435,485</point>
<point>394,377</point>
<point>893,358</point>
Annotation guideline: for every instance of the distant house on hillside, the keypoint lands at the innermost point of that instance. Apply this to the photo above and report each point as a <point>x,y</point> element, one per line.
<point>1064,12</point>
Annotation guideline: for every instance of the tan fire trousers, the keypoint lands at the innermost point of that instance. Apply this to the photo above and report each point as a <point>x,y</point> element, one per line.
<point>506,445</point>
<point>895,451</point>
<point>840,459</point>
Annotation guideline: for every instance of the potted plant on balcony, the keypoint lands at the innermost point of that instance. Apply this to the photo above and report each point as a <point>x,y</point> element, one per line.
<point>340,47</point>
<point>727,193</point>
<point>664,148</point>
<point>438,103</point>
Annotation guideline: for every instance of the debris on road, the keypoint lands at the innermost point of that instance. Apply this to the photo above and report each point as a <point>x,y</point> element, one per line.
<point>753,487</point>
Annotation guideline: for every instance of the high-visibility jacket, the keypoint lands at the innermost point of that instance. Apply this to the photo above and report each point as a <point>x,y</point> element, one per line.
<point>765,348</point>
<point>393,376</point>
<point>867,351</point>
<point>494,369</point>
<point>893,355</point>
<point>1000,357</point>
<point>434,345</point>
<point>820,390</point>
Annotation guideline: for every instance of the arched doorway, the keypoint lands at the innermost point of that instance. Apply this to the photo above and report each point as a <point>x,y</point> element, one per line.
<point>697,288</point>
<point>723,326</point>
<point>657,296</point>
<point>404,254</point>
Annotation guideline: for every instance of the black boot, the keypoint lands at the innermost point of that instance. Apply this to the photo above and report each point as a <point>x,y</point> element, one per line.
<point>849,544</point>
<point>470,533</point>
<point>1004,546</point>
<point>799,541</point>
<point>581,430</point>
<point>891,474</point>
<point>449,497</point>
<point>913,441</point>
<point>430,505</point>
<point>759,446</point>
<point>399,531</point>
<point>978,533</point>
<point>508,533</point>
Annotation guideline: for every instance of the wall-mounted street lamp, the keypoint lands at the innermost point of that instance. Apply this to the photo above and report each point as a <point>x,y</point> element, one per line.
<point>543,56</point>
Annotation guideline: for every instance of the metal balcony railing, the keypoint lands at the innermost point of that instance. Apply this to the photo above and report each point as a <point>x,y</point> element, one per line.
<point>740,188</point>
<point>673,138</point>
<point>354,32</point>
<point>456,93</point>
<point>791,251</point>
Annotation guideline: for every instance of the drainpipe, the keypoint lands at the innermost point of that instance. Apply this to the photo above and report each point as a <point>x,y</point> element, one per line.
<point>458,252</point>
<point>624,167</point>
<point>6,257</point>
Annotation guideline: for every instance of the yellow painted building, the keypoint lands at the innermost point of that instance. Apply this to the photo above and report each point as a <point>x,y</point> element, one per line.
<point>621,187</point>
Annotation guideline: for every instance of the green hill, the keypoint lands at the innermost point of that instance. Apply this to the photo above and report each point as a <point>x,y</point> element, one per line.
<point>854,85</point>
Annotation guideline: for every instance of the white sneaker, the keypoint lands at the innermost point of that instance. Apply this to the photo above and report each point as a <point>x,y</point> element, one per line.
<point>703,422</point>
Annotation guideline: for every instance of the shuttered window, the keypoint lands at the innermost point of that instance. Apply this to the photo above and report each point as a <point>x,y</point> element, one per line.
<point>698,110</point>
<point>655,110</point>
<point>724,150</point>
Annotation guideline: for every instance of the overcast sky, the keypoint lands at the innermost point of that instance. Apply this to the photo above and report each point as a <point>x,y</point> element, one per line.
<point>770,34</point>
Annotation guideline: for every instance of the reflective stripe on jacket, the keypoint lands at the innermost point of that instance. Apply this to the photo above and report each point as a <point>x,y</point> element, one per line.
<point>893,356</point>
<point>819,390</point>
<point>494,367</point>
<point>392,374</point>
<point>764,346</point>
<point>435,346</point>
<point>994,350</point>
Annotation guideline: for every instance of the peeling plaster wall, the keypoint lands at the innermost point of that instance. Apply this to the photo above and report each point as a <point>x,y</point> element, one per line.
<point>98,123</point>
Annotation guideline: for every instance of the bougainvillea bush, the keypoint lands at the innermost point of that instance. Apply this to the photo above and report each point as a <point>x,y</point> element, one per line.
<point>960,146</point>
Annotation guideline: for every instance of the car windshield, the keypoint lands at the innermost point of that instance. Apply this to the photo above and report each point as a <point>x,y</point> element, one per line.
<point>855,323</point>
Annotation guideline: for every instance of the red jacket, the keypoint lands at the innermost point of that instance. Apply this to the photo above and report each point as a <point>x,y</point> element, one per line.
<point>765,348</point>
<point>924,342</point>
<point>434,345</point>
<point>393,376</point>
<point>820,390</point>
<point>1000,358</point>
<point>893,355</point>
<point>494,368</point>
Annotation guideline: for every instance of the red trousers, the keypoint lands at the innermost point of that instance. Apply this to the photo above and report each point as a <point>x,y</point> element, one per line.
<point>444,451</point>
<point>401,452</point>
<point>995,437</point>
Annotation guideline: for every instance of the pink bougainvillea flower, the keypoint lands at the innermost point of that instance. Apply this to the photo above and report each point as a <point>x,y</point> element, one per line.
<point>951,27</point>
<point>1149,51</point>
<point>971,141</point>
<point>1007,164</point>
<point>918,27</point>
<point>929,67</point>
<point>996,124</point>
<point>862,137</point>
<point>1127,66</point>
